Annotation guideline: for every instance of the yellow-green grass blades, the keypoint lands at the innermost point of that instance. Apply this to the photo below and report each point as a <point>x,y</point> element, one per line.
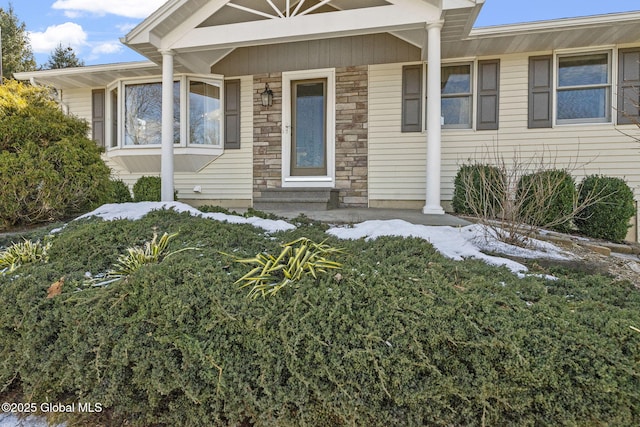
<point>297,258</point>
<point>25,252</point>
<point>152,252</point>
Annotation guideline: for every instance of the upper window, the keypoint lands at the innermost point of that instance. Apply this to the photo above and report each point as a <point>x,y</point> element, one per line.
<point>583,92</point>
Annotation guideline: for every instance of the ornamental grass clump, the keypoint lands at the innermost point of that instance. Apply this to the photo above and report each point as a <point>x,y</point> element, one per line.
<point>26,252</point>
<point>299,258</point>
<point>152,252</point>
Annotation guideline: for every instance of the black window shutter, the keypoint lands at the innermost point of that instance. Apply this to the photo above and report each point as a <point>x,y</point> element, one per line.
<point>629,86</point>
<point>232,114</point>
<point>540,91</point>
<point>97,116</point>
<point>488,94</point>
<point>412,98</point>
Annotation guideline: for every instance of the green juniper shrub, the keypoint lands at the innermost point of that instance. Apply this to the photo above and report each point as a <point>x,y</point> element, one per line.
<point>403,337</point>
<point>547,199</point>
<point>215,209</point>
<point>147,189</point>
<point>607,218</point>
<point>49,169</point>
<point>120,192</point>
<point>479,190</point>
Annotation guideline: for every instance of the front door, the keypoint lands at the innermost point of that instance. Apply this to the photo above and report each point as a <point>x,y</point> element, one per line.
<point>309,127</point>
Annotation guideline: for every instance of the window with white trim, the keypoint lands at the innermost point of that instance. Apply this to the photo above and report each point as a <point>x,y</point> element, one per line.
<point>457,96</point>
<point>583,88</point>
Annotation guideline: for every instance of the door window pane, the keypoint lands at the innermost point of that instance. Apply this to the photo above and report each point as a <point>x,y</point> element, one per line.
<point>310,125</point>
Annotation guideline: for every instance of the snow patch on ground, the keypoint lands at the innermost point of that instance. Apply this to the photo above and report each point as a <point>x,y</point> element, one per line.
<point>135,211</point>
<point>457,243</point>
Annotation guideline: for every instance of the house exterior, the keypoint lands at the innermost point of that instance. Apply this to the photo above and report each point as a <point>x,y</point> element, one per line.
<point>379,100</point>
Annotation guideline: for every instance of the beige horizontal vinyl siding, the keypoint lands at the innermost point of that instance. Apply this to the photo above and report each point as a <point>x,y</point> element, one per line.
<point>230,176</point>
<point>397,160</point>
<point>78,103</point>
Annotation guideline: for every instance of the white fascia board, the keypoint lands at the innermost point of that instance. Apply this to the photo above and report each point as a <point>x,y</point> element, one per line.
<point>334,24</point>
<point>122,66</point>
<point>140,33</point>
<point>555,25</point>
<point>460,4</point>
<point>190,23</point>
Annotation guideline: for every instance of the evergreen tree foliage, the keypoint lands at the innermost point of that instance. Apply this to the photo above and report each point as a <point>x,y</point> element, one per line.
<point>17,55</point>
<point>63,57</point>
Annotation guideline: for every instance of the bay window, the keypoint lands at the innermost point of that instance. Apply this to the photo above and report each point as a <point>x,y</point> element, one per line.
<point>136,113</point>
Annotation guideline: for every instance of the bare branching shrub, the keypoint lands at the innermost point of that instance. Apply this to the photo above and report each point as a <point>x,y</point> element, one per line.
<point>514,199</point>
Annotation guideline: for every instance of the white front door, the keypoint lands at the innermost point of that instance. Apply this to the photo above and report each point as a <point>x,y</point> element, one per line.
<point>308,128</point>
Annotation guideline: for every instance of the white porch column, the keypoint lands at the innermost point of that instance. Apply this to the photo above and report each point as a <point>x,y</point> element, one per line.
<point>432,205</point>
<point>166,163</point>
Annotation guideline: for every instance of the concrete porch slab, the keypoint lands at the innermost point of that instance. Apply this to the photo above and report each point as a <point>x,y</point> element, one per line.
<point>356,215</point>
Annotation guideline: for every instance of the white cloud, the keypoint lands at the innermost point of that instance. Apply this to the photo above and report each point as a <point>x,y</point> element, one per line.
<point>127,8</point>
<point>67,34</point>
<point>125,28</point>
<point>106,48</point>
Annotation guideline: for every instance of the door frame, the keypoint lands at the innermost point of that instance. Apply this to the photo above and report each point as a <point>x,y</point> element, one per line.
<point>329,179</point>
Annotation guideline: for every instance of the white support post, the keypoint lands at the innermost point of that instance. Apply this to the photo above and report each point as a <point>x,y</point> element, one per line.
<point>166,164</point>
<point>434,131</point>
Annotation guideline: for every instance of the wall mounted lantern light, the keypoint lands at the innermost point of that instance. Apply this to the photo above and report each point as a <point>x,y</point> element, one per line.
<point>267,96</point>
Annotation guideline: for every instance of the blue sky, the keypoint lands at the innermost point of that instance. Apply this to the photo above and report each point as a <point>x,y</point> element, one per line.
<point>93,27</point>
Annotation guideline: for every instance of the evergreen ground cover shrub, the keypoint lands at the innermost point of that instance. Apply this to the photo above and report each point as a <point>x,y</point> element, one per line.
<point>404,337</point>
<point>609,217</point>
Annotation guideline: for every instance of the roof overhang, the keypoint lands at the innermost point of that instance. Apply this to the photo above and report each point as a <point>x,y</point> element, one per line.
<point>545,36</point>
<point>91,76</point>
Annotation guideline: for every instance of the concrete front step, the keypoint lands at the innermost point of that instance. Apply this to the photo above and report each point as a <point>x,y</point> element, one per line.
<point>297,199</point>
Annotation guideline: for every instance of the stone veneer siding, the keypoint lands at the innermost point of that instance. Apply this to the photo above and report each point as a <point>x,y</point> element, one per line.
<point>352,106</point>
<point>351,135</point>
<point>267,135</point>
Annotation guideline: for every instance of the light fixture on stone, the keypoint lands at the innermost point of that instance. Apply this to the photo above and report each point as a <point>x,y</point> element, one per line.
<point>267,96</point>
